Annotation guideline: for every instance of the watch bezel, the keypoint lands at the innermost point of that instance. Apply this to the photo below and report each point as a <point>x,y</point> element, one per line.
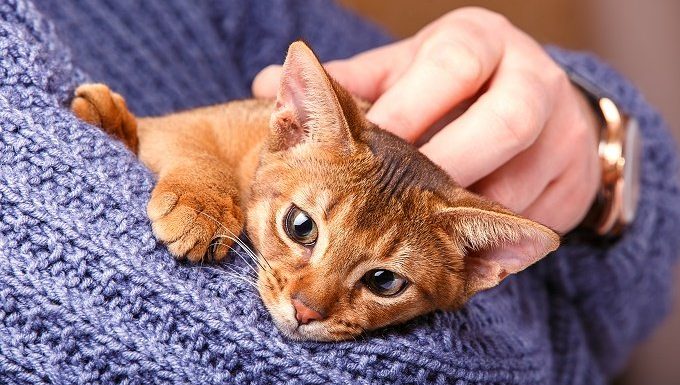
<point>620,189</point>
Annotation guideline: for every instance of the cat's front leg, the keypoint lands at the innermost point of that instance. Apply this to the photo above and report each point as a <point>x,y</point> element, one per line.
<point>196,216</point>
<point>194,208</point>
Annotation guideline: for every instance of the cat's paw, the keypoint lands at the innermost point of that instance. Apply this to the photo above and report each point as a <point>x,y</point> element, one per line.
<point>194,220</point>
<point>96,104</point>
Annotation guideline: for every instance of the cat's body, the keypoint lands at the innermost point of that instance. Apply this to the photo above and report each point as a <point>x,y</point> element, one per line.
<point>355,228</point>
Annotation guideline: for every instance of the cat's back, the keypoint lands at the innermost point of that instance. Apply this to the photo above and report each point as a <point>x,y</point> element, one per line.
<point>245,112</point>
<point>244,123</point>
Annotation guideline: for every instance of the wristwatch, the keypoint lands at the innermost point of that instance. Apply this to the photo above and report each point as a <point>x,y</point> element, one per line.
<point>619,150</point>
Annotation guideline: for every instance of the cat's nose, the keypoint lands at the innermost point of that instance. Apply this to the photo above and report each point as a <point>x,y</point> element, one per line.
<point>304,314</point>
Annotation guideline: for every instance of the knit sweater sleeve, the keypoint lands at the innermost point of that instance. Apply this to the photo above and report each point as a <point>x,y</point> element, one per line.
<point>88,296</point>
<point>621,290</point>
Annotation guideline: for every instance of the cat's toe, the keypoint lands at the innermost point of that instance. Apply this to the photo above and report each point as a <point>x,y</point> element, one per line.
<point>196,224</point>
<point>175,226</point>
<point>96,104</point>
<point>230,226</point>
<point>161,203</point>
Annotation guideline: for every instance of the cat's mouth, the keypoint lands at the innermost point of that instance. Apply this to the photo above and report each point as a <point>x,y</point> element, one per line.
<point>283,316</point>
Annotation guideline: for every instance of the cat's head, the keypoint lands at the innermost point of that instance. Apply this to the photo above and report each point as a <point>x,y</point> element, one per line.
<point>360,230</point>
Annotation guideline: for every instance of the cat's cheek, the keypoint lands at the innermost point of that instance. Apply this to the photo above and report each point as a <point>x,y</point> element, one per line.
<point>255,218</point>
<point>385,311</point>
<point>281,312</point>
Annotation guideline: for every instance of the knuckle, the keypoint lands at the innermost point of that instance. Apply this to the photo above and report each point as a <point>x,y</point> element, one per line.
<point>454,54</point>
<point>530,106</point>
<point>482,16</point>
<point>517,121</point>
<point>532,83</point>
<point>559,76</point>
<point>578,131</point>
<point>577,126</point>
<point>557,79</point>
<point>581,202</point>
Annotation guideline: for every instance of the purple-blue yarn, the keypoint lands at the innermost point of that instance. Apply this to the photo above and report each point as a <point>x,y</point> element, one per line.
<point>87,296</point>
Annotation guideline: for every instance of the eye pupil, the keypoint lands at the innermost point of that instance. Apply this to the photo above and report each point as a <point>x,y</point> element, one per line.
<point>384,279</point>
<point>384,282</point>
<point>302,224</point>
<point>300,227</point>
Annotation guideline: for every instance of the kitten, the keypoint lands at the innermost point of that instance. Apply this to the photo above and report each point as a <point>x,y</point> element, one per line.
<point>356,229</point>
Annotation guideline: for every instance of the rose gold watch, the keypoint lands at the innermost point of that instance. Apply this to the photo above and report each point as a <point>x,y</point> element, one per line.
<point>619,151</point>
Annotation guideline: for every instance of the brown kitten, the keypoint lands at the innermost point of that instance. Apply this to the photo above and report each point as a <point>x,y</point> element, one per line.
<point>358,228</point>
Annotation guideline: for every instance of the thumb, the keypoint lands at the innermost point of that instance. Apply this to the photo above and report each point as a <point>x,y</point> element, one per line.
<point>351,74</point>
<point>266,83</point>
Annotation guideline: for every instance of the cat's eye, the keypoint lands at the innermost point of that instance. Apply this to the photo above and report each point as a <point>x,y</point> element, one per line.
<point>300,227</point>
<point>384,283</point>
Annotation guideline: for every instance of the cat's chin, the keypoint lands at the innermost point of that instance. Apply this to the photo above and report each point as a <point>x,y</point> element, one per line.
<point>311,332</point>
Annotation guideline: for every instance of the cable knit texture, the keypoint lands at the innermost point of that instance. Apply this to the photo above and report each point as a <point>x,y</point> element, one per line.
<point>88,297</point>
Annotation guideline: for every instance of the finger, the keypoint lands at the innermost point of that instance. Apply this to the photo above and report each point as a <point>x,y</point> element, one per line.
<point>518,183</point>
<point>553,208</point>
<point>266,82</point>
<point>499,125</point>
<point>564,203</point>
<point>364,75</point>
<point>450,66</point>
<point>370,73</point>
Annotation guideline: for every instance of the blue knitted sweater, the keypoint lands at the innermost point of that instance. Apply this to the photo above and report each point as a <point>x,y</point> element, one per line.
<point>87,296</point>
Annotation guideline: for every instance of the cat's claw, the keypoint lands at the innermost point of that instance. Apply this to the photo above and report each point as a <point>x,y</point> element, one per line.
<point>96,104</point>
<point>194,221</point>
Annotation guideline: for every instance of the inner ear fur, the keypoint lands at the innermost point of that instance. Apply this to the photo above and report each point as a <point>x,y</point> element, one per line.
<point>495,242</point>
<point>311,108</point>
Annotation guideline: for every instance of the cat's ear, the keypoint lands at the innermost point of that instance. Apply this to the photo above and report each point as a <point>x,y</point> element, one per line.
<point>495,242</point>
<point>307,107</point>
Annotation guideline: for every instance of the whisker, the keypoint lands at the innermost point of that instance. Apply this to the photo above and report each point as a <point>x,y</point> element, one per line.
<point>235,239</point>
<point>250,251</point>
<point>230,274</point>
<point>221,271</point>
<point>252,257</point>
<point>245,234</point>
<point>238,254</point>
<point>249,282</point>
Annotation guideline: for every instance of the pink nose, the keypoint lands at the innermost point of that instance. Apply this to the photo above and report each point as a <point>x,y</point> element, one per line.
<point>304,313</point>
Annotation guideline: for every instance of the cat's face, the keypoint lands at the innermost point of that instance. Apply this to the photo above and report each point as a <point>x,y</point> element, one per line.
<point>352,253</point>
<point>357,230</point>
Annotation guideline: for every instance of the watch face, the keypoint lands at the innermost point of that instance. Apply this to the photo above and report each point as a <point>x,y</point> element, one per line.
<point>631,171</point>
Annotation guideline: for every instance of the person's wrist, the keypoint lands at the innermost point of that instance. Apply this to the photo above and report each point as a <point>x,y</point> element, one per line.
<point>618,150</point>
<point>595,122</point>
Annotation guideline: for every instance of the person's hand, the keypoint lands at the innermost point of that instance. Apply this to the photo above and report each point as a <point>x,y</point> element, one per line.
<point>527,140</point>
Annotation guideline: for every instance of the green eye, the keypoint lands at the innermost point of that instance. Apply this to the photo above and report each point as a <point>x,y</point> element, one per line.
<point>300,227</point>
<point>384,283</point>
